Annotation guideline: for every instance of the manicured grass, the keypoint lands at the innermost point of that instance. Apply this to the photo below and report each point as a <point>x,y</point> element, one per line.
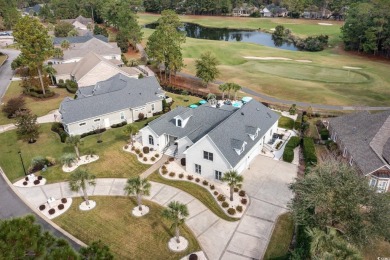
<point>195,190</point>
<point>286,122</point>
<point>113,162</point>
<point>128,237</point>
<point>377,250</point>
<point>281,238</point>
<point>179,99</point>
<point>40,107</point>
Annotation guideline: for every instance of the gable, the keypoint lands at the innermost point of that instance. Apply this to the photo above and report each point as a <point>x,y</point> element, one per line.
<point>100,72</point>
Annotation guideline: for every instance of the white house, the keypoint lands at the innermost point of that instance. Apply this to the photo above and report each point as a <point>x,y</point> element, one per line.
<point>109,102</point>
<point>213,140</point>
<point>266,13</point>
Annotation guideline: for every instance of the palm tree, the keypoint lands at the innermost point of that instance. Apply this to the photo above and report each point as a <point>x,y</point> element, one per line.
<point>68,159</point>
<point>138,187</point>
<point>211,96</point>
<point>235,87</point>
<point>51,71</point>
<point>222,88</point>
<point>234,180</point>
<point>79,181</point>
<point>65,44</point>
<point>228,88</point>
<point>74,140</point>
<point>131,130</point>
<point>176,212</point>
<point>58,53</point>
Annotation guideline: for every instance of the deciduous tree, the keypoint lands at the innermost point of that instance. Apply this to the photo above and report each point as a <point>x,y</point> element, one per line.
<point>27,126</point>
<point>206,67</point>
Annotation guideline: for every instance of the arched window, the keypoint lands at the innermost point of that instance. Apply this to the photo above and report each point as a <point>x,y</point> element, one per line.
<point>179,122</point>
<point>151,140</point>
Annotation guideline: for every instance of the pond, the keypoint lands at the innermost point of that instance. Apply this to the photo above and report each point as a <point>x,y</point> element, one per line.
<point>232,35</point>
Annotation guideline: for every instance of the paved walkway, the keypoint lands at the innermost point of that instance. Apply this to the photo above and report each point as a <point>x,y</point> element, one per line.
<point>266,184</point>
<point>155,166</point>
<point>49,118</point>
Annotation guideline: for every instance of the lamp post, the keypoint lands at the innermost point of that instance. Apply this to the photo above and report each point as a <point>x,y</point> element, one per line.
<point>21,159</point>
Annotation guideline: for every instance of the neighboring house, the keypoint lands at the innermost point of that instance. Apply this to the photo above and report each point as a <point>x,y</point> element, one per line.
<point>364,140</point>
<point>33,10</point>
<point>314,14</point>
<point>266,13</point>
<point>244,10</point>
<point>80,22</point>
<point>78,39</point>
<point>109,102</point>
<point>91,69</point>
<point>77,51</point>
<point>277,10</point>
<point>213,140</point>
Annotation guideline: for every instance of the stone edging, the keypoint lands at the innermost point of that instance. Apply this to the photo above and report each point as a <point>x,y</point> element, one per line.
<point>36,211</point>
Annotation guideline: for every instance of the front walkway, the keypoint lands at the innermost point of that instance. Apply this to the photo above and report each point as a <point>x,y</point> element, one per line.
<point>266,183</point>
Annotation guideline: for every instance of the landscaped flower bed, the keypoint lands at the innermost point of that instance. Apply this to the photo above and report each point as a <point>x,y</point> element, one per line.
<point>30,181</point>
<point>221,192</point>
<point>85,159</point>
<point>53,208</point>
<point>145,155</point>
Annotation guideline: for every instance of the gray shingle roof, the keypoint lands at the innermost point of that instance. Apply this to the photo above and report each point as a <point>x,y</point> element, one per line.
<point>204,119</point>
<point>79,39</point>
<point>252,114</point>
<point>386,151</point>
<point>36,9</point>
<point>110,98</point>
<point>356,132</point>
<point>93,45</point>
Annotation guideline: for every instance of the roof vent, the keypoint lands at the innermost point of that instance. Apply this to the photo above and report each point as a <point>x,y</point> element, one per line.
<point>354,129</point>
<point>242,113</point>
<point>140,93</point>
<point>258,109</point>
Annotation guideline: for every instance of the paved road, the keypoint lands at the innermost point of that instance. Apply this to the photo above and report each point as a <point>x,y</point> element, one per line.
<point>6,71</point>
<point>290,102</point>
<point>12,206</point>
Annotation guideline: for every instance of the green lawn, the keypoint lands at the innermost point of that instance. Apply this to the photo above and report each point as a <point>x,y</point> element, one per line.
<point>286,122</point>
<point>128,237</point>
<point>113,162</point>
<point>195,190</point>
<point>179,100</point>
<point>37,106</point>
<point>281,238</point>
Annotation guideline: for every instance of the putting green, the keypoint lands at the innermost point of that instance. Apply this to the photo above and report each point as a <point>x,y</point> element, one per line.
<point>307,72</point>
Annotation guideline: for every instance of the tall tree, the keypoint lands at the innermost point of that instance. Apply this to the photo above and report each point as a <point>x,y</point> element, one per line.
<point>233,180</point>
<point>176,212</point>
<point>35,44</point>
<point>164,45</point>
<point>206,67</point>
<point>79,181</point>
<point>75,141</point>
<point>131,130</point>
<point>223,88</point>
<point>138,187</point>
<point>96,250</point>
<point>65,44</point>
<point>334,195</point>
<point>27,126</point>
<point>50,70</point>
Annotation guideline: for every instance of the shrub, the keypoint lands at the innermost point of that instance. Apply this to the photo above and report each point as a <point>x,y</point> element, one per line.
<point>236,189</point>
<point>26,178</point>
<point>242,193</point>
<point>141,116</point>
<point>225,204</point>
<point>152,159</point>
<point>205,183</point>
<point>167,162</point>
<point>93,132</point>
<point>164,171</point>
<point>197,180</point>
<point>42,207</point>
<point>133,148</point>
<point>68,159</point>
<point>288,155</point>
<point>25,183</point>
<point>39,177</point>
<point>221,197</point>
<point>13,105</point>
<point>193,257</point>
<point>171,159</point>
<point>157,155</point>
<point>36,182</point>
<point>126,146</point>
<point>215,193</point>
<point>172,174</point>
<point>38,163</point>
<point>163,167</point>
<point>239,208</point>
<point>324,134</point>
<point>181,175</point>
<point>212,187</point>
<point>119,124</point>
<point>64,200</point>
<point>61,207</point>
<point>231,211</point>
<point>141,155</point>
<point>52,211</point>
<point>145,159</point>
<point>145,150</point>
<point>309,151</point>
<point>190,177</point>
<point>183,161</point>
<point>293,142</point>
<point>244,201</point>
<point>51,161</point>
<point>137,151</point>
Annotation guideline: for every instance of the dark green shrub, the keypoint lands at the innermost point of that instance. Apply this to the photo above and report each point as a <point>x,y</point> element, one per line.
<point>324,133</point>
<point>59,129</point>
<point>145,149</point>
<point>225,204</point>
<point>293,142</point>
<point>288,155</point>
<point>309,151</point>
<point>239,208</point>
<point>221,197</point>
<point>231,211</point>
<point>93,132</point>
<point>172,174</point>
<point>119,124</point>
<point>181,175</point>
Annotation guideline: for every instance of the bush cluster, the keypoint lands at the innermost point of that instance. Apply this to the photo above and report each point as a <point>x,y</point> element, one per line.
<point>119,124</point>
<point>37,94</point>
<point>309,151</point>
<point>71,86</point>
<point>190,177</point>
<point>288,153</point>
<point>59,129</point>
<point>172,174</point>
<point>244,201</point>
<point>181,175</point>
<point>93,132</point>
<point>145,149</point>
<point>39,162</point>
<point>42,207</point>
<point>313,43</point>
<point>221,197</point>
<point>61,206</point>
<point>242,193</point>
<point>205,183</point>
<point>225,204</point>
<point>231,211</point>
<point>239,208</point>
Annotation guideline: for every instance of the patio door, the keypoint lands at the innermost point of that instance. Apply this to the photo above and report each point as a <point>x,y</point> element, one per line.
<point>106,122</point>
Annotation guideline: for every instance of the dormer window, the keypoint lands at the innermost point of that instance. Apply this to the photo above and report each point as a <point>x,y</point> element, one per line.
<point>252,131</point>
<point>238,147</point>
<point>178,122</point>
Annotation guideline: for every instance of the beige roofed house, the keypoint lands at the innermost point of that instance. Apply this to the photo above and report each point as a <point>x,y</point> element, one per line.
<point>80,20</point>
<point>91,69</point>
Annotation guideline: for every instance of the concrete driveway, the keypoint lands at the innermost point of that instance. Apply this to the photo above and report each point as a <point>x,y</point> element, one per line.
<point>6,71</point>
<point>266,183</point>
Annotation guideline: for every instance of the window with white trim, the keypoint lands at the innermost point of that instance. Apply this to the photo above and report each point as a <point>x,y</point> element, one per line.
<point>382,185</point>
<point>373,182</point>
<point>208,156</point>
<point>178,121</point>
<point>198,168</point>
<point>81,124</point>
<point>152,107</point>
<point>218,175</point>
<point>151,140</point>
<point>97,120</point>
<point>122,115</point>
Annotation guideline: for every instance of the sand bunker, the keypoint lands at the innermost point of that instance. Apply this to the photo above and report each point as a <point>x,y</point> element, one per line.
<point>303,60</point>
<point>352,68</point>
<point>265,58</point>
<point>327,24</point>
<point>273,29</point>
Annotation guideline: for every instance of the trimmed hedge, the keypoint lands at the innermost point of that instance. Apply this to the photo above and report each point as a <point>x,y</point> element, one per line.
<point>119,125</point>
<point>288,153</point>
<point>59,129</point>
<point>93,132</point>
<point>309,151</point>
